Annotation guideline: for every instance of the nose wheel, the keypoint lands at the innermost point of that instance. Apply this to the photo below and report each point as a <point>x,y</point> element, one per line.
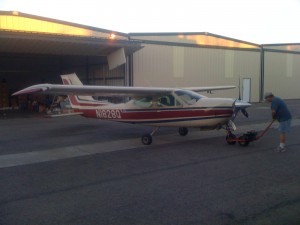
<point>230,137</point>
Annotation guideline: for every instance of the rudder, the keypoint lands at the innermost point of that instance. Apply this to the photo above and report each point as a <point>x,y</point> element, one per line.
<point>79,101</point>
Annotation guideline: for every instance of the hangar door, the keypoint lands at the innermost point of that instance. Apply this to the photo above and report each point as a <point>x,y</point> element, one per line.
<point>246,89</point>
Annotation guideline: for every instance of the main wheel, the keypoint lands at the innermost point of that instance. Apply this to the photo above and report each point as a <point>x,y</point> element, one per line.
<point>147,139</point>
<point>183,131</point>
<point>243,141</point>
<point>230,139</point>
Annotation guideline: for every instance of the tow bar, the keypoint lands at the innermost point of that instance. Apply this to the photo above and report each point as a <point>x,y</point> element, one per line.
<point>246,138</point>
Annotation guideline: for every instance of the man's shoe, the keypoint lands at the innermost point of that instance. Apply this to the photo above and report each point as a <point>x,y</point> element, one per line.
<point>283,149</point>
<point>280,149</point>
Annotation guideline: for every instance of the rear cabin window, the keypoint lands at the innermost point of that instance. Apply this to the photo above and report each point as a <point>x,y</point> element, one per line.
<point>188,97</point>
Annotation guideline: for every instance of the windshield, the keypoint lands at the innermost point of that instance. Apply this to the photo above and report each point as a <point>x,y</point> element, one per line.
<point>188,97</point>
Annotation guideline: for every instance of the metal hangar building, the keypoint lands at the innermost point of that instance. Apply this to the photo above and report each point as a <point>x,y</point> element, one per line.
<point>35,49</point>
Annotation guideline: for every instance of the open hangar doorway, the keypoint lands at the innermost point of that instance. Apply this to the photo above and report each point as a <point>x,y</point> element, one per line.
<point>18,71</point>
<point>28,59</point>
<point>22,70</point>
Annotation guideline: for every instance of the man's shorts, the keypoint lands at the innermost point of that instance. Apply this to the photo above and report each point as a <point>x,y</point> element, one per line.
<point>285,126</point>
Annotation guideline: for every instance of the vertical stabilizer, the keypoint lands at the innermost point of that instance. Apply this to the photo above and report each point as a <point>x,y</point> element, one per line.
<point>80,101</point>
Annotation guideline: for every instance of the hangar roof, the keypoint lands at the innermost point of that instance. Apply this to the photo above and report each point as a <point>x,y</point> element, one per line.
<point>24,33</point>
<point>205,39</point>
<point>194,39</point>
<point>291,47</point>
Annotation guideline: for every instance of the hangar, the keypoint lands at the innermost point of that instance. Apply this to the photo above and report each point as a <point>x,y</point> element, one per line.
<point>204,59</point>
<point>281,64</point>
<point>35,49</point>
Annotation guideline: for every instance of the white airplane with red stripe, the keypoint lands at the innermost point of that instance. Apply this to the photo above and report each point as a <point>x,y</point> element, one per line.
<point>158,107</point>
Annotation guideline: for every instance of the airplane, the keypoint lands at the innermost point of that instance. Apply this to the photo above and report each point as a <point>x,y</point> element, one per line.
<point>151,106</point>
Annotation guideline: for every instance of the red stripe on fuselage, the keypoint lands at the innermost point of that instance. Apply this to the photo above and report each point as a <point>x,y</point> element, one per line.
<point>173,114</point>
<point>159,115</point>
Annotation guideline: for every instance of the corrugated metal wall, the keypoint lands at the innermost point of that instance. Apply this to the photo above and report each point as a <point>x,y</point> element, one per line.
<point>180,66</point>
<point>101,75</point>
<point>282,74</point>
<point>94,71</point>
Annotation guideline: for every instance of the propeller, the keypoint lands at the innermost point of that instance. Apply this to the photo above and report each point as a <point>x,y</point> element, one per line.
<point>234,109</point>
<point>239,105</point>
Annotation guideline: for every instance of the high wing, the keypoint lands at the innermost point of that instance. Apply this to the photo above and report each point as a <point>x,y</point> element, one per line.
<point>76,88</point>
<point>90,90</point>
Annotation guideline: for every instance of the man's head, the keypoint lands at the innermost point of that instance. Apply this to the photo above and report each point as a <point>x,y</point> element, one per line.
<point>269,96</point>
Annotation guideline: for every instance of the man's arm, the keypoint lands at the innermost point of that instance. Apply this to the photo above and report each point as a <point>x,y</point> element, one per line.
<point>274,107</point>
<point>273,114</point>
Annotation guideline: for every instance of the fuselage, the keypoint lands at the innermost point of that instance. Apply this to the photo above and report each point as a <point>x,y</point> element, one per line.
<point>180,109</point>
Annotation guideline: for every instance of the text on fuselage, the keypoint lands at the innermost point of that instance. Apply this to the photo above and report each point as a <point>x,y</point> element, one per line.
<point>108,113</point>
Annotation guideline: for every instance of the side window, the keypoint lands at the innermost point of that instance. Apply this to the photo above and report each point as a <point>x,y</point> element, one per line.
<point>144,102</point>
<point>167,101</point>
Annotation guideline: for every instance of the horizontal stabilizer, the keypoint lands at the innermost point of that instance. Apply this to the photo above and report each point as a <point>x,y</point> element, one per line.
<point>63,115</point>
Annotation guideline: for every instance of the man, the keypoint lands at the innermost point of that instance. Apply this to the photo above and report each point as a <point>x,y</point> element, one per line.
<point>282,114</point>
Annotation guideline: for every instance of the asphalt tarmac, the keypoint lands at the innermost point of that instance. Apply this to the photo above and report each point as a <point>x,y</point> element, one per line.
<point>82,171</point>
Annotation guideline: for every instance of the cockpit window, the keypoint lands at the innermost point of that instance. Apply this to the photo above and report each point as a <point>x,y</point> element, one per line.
<point>144,102</point>
<point>188,97</point>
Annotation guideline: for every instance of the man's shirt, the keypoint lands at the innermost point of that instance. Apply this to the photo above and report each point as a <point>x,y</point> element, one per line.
<point>281,109</point>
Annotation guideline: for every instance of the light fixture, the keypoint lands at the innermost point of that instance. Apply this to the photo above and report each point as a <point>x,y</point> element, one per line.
<point>112,36</point>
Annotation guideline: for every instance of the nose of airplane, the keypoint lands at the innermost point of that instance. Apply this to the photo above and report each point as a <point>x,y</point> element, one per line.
<point>241,106</point>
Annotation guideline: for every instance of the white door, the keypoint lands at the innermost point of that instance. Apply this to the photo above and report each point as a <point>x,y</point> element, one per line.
<point>246,89</point>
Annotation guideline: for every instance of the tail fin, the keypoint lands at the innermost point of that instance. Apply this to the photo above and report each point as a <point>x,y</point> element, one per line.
<point>80,101</point>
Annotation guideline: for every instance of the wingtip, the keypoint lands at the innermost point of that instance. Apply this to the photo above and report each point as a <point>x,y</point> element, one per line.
<point>28,91</point>
<point>17,93</point>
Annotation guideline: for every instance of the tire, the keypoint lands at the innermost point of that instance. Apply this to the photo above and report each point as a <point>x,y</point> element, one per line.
<point>183,131</point>
<point>230,138</point>
<point>147,139</point>
<point>243,141</point>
